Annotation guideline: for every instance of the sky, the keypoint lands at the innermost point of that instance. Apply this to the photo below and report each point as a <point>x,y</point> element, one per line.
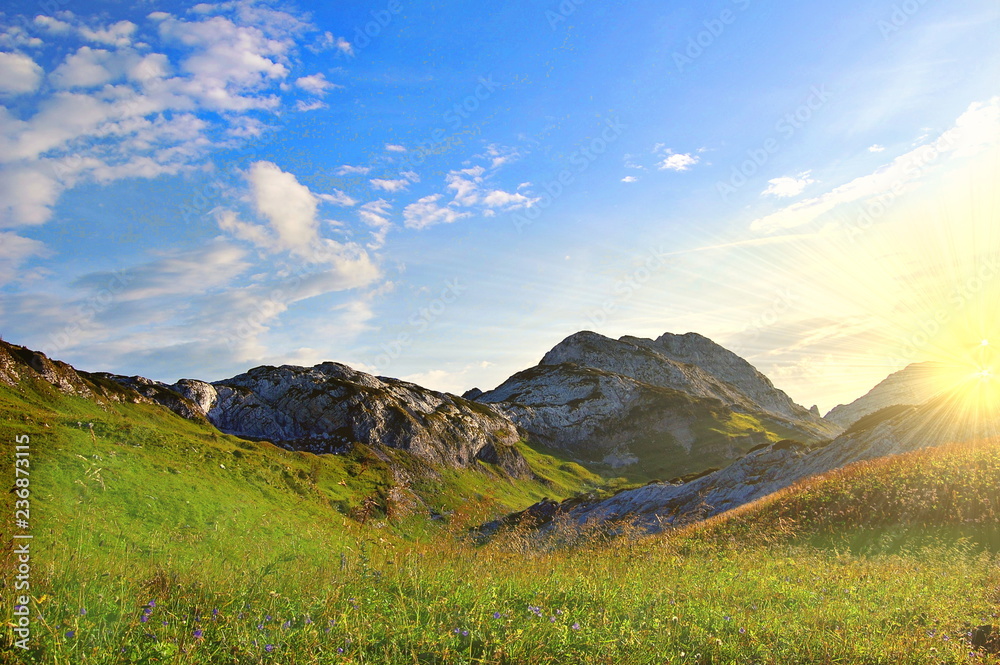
<point>442,191</point>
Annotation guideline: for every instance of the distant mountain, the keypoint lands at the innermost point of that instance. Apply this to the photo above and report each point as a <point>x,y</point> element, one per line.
<point>654,407</point>
<point>949,418</point>
<point>912,385</point>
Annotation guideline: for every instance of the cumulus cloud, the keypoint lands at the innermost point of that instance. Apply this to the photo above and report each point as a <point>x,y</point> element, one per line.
<point>315,84</point>
<point>788,186</point>
<point>978,128</point>
<point>677,161</point>
<point>390,185</point>
<point>120,107</point>
<point>20,74</point>
<point>426,212</point>
<point>27,194</point>
<point>393,147</point>
<point>630,178</point>
<point>876,148</point>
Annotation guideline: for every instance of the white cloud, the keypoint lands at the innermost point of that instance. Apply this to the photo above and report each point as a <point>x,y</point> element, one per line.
<point>876,148</point>
<point>328,41</point>
<point>315,84</point>
<point>975,130</point>
<point>119,34</point>
<point>393,147</point>
<point>465,183</point>
<point>54,25</point>
<point>501,199</point>
<point>305,106</point>
<point>118,109</point>
<point>288,205</point>
<point>14,252</point>
<point>228,64</point>
<point>20,74</point>
<point>27,195</point>
<point>376,215</point>
<point>426,212</point>
<point>677,161</point>
<point>289,209</point>
<point>630,178</point>
<point>338,198</point>
<point>347,169</point>
<point>788,186</point>
<point>179,273</point>
<point>87,68</point>
<point>390,185</point>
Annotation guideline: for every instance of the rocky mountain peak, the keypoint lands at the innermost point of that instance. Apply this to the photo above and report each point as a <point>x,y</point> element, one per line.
<point>329,406</point>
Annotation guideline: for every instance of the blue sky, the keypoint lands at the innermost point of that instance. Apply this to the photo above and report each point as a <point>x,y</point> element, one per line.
<point>443,191</point>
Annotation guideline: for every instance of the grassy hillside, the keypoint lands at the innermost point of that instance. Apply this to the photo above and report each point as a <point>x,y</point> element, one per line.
<point>952,490</point>
<point>158,540</point>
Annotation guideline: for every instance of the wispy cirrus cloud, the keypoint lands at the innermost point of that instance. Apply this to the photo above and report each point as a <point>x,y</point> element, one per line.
<point>975,130</point>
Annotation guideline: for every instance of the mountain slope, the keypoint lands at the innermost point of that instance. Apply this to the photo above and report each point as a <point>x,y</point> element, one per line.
<point>764,471</point>
<point>912,385</point>
<point>651,408</point>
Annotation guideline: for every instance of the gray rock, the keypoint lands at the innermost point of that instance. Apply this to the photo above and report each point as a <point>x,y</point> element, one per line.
<point>627,401</point>
<point>324,408</point>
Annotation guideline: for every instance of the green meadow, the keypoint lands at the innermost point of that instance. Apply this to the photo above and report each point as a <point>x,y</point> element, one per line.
<point>160,540</point>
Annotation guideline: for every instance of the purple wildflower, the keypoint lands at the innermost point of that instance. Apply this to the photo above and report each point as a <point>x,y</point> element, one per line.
<point>340,649</point>
<point>287,624</point>
<point>497,615</point>
<point>575,626</point>
<point>742,630</point>
<point>83,610</point>
<point>199,633</point>
<point>152,603</point>
<point>269,648</point>
<point>70,634</point>
<point>144,618</point>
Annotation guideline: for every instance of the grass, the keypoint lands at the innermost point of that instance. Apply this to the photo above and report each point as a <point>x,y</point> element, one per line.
<point>147,550</point>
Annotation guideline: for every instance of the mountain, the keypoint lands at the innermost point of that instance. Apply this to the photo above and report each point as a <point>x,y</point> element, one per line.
<point>950,418</point>
<point>324,408</point>
<point>651,408</point>
<point>912,385</point>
